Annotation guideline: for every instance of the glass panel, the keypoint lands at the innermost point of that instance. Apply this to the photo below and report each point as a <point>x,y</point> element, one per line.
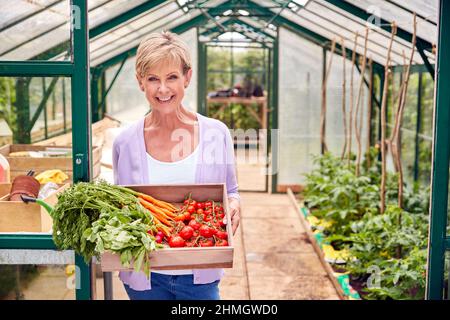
<point>125,94</point>
<point>20,99</point>
<point>336,33</point>
<point>37,275</point>
<point>190,95</point>
<point>103,10</point>
<point>335,133</point>
<point>128,37</point>
<point>299,106</point>
<point>426,129</point>
<point>408,130</point>
<point>427,9</point>
<point>35,34</point>
<point>331,17</point>
<point>391,12</point>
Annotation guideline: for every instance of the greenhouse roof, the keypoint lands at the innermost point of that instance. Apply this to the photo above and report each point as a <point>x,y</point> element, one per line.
<point>40,29</point>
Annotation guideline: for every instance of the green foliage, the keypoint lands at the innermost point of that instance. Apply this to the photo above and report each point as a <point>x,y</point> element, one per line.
<point>90,218</point>
<point>394,242</point>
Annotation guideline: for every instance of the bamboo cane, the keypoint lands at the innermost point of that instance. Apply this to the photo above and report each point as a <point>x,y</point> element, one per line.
<point>369,113</point>
<point>344,111</point>
<point>358,102</point>
<point>323,113</point>
<point>351,100</point>
<point>383,122</point>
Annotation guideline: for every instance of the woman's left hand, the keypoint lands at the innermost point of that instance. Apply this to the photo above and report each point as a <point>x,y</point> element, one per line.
<point>235,213</point>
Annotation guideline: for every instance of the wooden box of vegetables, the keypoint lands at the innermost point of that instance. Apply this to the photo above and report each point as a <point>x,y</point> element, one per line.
<point>17,216</point>
<point>25,157</point>
<point>189,229</point>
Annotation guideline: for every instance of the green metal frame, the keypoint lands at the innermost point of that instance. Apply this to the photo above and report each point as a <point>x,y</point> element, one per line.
<point>274,111</point>
<point>202,76</point>
<point>81,139</point>
<point>438,239</point>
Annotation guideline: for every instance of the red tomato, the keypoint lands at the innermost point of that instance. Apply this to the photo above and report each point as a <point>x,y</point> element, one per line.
<point>221,243</point>
<point>176,241</point>
<point>186,233</point>
<point>193,203</point>
<point>199,205</point>
<point>190,243</point>
<point>208,211</point>
<point>206,243</point>
<point>206,218</point>
<point>222,235</point>
<point>200,211</point>
<point>196,234</point>
<point>206,231</point>
<point>191,209</point>
<point>208,204</point>
<point>220,215</point>
<point>186,201</point>
<point>187,215</point>
<point>194,224</point>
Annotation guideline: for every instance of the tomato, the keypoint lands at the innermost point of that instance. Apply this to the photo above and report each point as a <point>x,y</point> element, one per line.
<point>208,211</point>
<point>221,243</point>
<point>221,223</point>
<point>222,235</point>
<point>206,243</point>
<point>194,224</point>
<point>176,241</point>
<point>191,209</point>
<point>187,216</point>
<point>208,204</point>
<point>190,243</point>
<point>186,201</point>
<point>196,234</point>
<point>199,205</point>
<point>220,215</point>
<point>206,231</point>
<point>200,211</point>
<point>206,218</point>
<point>193,203</point>
<point>186,233</point>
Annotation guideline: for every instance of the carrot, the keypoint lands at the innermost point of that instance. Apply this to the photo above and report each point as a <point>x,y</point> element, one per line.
<point>158,203</point>
<point>154,209</point>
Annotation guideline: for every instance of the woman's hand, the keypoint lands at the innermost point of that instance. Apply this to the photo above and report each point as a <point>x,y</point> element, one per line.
<point>235,213</point>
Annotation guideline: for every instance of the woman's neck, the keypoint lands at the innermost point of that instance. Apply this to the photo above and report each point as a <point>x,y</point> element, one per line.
<point>170,121</point>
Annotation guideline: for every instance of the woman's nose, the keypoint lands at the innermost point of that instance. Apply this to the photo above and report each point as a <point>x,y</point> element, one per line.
<point>163,87</point>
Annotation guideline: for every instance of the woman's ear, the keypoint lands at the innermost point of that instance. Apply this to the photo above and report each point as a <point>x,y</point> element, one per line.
<point>187,78</point>
<point>139,80</point>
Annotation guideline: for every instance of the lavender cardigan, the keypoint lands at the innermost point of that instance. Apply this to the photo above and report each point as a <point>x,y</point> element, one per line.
<point>215,165</point>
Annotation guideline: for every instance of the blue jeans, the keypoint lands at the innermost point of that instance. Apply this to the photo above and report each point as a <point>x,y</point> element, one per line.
<point>182,287</point>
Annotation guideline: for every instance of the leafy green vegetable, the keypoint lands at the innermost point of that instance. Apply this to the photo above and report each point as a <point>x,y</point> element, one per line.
<point>91,218</point>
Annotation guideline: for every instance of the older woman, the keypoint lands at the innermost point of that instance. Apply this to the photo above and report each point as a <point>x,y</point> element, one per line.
<point>173,145</point>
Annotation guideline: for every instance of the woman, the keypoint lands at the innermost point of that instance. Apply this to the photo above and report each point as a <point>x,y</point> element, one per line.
<point>173,145</point>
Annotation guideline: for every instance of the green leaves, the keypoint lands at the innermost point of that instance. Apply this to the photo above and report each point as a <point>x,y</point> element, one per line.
<point>91,218</point>
<point>395,242</point>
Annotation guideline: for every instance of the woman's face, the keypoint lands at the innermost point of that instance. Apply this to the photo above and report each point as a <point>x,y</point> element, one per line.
<point>164,86</point>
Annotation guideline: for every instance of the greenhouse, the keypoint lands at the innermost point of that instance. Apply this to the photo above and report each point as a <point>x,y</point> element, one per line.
<point>338,113</point>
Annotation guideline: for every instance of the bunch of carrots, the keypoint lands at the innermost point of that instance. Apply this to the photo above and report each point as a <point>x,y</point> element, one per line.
<point>163,213</point>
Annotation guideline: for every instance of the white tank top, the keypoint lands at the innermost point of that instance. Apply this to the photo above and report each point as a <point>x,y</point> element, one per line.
<point>178,172</point>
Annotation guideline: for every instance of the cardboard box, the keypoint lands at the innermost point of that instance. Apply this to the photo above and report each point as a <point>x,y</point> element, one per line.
<point>186,257</point>
<point>21,165</point>
<point>17,216</point>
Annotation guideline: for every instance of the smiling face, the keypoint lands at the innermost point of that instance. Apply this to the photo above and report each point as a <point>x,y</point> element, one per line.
<point>164,85</point>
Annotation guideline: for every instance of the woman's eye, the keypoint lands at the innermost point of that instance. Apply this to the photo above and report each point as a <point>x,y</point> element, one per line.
<point>173,77</point>
<point>152,79</point>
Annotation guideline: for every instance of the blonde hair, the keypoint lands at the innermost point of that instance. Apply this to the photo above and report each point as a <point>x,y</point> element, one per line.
<point>158,47</point>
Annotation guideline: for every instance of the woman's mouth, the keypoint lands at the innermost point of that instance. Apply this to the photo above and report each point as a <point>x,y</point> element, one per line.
<point>165,100</point>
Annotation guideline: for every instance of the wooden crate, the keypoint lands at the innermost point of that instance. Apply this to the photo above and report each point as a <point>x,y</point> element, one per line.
<point>21,165</point>
<point>17,216</point>
<point>187,257</point>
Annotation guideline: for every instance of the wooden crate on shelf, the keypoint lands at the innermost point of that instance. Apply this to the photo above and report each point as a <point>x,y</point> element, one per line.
<point>22,164</point>
<point>186,257</point>
<point>17,216</point>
